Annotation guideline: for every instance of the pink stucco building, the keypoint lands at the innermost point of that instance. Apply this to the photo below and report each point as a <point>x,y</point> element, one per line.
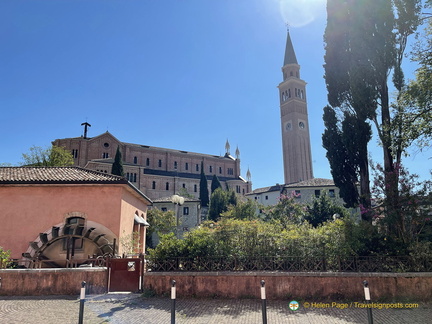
<point>69,213</point>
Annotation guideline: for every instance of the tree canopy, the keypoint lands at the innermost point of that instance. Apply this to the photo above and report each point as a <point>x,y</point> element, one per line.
<point>416,99</point>
<point>323,209</point>
<point>365,42</point>
<point>203,189</point>
<point>220,201</point>
<point>344,171</point>
<point>117,167</point>
<point>53,156</point>
<point>215,183</point>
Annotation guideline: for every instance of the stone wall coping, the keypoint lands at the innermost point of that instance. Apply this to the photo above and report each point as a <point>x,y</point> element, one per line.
<point>56,270</point>
<point>289,274</point>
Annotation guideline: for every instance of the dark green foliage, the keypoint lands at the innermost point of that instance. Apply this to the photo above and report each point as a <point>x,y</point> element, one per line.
<point>203,193</point>
<point>117,167</point>
<point>232,198</point>
<point>286,212</point>
<point>356,136</point>
<point>408,219</point>
<point>215,183</point>
<point>245,239</point>
<point>220,200</point>
<point>416,118</point>
<point>160,222</point>
<point>244,210</point>
<point>323,209</point>
<point>365,40</point>
<point>359,53</point>
<point>343,170</point>
<point>248,239</point>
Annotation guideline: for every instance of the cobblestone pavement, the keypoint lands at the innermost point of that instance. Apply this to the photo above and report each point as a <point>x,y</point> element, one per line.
<point>132,308</point>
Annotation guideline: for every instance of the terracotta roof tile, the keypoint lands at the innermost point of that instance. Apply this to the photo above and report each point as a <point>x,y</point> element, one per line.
<point>168,199</point>
<point>55,174</point>
<point>315,182</point>
<point>277,187</point>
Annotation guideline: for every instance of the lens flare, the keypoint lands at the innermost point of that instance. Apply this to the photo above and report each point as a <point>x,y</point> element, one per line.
<point>298,13</point>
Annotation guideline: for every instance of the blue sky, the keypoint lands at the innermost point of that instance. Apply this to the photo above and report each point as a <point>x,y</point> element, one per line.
<point>181,74</point>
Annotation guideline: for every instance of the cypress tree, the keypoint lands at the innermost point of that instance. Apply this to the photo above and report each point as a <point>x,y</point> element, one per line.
<point>215,183</point>
<point>204,193</point>
<point>117,167</point>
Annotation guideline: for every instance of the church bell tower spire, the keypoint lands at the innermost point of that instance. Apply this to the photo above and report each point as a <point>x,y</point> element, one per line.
<point>294,120</point>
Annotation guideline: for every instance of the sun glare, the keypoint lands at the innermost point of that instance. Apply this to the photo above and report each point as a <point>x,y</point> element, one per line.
<point>298,13</point>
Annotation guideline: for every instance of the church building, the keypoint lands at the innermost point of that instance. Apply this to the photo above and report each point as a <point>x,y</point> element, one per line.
<point>294,120</point>
<point>157,172</point>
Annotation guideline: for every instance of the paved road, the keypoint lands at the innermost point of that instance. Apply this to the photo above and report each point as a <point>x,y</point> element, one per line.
<point>132,308</point>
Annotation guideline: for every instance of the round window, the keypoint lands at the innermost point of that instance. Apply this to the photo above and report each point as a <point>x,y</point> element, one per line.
<point>106,144</point>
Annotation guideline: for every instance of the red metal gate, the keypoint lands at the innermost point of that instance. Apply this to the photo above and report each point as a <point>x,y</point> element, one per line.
<point>124,274</point>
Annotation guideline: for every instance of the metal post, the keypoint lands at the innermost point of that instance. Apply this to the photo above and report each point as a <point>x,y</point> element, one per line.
<point>264,302</point>
<point>173,301</point>
<point>176,206</point>
<point>82,300</point>
<point>367,298</point>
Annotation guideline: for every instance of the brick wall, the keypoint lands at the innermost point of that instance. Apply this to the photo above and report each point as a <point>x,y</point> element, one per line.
<point>318,286</point>
<point>35,282</point>
<point>307,286</point>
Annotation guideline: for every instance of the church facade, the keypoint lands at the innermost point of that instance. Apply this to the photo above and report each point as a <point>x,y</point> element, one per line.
<point>157,172</point>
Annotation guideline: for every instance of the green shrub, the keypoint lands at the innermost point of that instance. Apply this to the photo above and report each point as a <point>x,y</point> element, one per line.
<point>5,258</point>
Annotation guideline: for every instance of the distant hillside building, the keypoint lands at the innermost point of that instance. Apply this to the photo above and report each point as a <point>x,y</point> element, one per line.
<point>267,196</point>
<point>157,172</point>
<point>304,191</point>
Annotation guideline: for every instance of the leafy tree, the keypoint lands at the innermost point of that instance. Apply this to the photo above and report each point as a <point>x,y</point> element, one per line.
<point>232,198</point>
<point>161,223</point>
<point>203,193</point>
<point>215,183</point>
<point>130,243</point>
<point>243,210</point>
<point>169,247</point>
<point>117,167</point>
<point>343,170</point>
<point>53,156</point>
<point>286,212</point>
<point>364,42</point>
<point>347,154</point>
<point>323,209</point>
<point>184,193</point>
<point>406,22</point>
<point>416,118</point>
<point>219,202</point>
<point>412,221</point>
<point>251,239</point>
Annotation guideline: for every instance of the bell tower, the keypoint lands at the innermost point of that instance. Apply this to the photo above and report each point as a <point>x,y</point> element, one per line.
<point>294,120</point>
